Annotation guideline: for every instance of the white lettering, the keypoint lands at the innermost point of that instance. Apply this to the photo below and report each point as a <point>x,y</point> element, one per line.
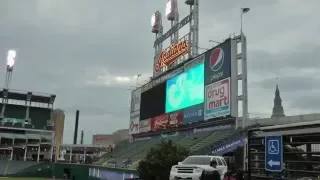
<point>216,76</point>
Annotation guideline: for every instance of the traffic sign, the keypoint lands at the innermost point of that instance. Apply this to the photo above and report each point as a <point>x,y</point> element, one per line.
<point>273,153</point>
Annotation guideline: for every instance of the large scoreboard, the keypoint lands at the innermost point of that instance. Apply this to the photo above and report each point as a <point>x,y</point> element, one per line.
<point>195,90</point>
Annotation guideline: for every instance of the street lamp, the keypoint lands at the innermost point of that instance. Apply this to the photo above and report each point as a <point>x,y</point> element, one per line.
<point>243,11</point>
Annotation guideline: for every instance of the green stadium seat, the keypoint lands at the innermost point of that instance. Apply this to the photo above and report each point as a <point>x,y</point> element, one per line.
<point>18,125</point>
<point>214,138</point>
<point>29,126</point>
<point>15,111</point>
<point>8,124</point>
<point>39,117</point>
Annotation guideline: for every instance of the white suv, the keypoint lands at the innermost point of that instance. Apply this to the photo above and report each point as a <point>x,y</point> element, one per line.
<point>192,167</point>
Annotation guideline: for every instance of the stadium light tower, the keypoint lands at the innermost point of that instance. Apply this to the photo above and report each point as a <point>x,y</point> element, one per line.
<point>11,58</point>
<point>172,14</point>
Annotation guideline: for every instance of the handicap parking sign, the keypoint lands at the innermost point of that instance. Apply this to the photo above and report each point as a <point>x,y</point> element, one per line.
<point>273,147</point>
<point>273,153</point>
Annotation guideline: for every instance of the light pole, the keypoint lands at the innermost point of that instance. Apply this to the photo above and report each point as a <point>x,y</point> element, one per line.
<point>245,114</point>
<point>243,11</point>
<point>138,76</point>
<point>11,58</point>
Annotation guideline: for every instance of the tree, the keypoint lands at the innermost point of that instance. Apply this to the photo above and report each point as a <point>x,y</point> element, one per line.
<point>160,159</point>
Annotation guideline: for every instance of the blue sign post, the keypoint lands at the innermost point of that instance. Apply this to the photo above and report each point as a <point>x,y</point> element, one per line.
<point>273,153</point>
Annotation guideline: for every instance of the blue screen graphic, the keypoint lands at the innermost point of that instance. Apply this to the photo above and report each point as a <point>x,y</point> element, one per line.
<point>186,89</point>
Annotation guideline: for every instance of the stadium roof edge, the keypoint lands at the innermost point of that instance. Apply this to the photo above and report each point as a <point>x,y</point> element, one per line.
<point>27,129</point>
<point>311,123</point>
<point>83,145</point>
<point>22,95</point>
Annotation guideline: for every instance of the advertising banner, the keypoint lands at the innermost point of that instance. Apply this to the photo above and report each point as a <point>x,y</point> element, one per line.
<point>135,100</point>
<point>145,125</point>
<point>101,139</point>
<point>213,128</point>
<point>175,119</point>
<point>218,62</point>
<point>109,174</point>
<point>159,122</point>
<point>217,99</point>
<point>134,123</point>
<point>228,146</point>
<point>166,120</point>
<point>193,114</point>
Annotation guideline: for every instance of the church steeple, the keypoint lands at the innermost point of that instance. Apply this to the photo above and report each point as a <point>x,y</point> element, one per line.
<point>277,107</point>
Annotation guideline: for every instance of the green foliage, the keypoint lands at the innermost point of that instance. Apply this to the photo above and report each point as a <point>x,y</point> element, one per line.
<point>160,159</point>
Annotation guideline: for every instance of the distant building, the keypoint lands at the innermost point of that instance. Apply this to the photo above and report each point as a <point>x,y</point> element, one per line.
<point>110,139</point>
<point>103,139</point>
<point>122,134</point>
<point>277,107</point>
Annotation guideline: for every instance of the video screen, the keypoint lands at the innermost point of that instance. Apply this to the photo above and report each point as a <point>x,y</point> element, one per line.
<point>153,102</point>
<point>185,89</point>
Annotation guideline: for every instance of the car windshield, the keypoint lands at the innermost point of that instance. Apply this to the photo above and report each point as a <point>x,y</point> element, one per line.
<point>197,160</point>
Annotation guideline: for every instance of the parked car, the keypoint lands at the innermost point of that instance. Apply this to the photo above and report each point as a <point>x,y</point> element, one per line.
<point>192,167</point>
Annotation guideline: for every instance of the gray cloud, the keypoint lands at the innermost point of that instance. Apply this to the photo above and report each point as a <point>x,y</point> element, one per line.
<point>307,101</point>
<point>305,57</point>
<point>65,47</point>
<point>290,84</point>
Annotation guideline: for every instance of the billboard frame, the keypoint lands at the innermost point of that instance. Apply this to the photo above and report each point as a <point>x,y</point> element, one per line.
<point>193,19</point>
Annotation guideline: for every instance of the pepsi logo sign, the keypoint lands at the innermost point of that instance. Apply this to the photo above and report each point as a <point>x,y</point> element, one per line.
<point>216,59</point>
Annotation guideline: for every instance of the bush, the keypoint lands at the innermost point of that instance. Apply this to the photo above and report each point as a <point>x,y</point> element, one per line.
<point>160,159</point>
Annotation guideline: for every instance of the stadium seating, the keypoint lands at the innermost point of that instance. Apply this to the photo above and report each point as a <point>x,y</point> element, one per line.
<point>192,139</point>
<point>197,143</point>
<point>15,111</point>
<point>39,117</point>
<point>16,166</point>
<point>214,138</point>
<point>12,167</point>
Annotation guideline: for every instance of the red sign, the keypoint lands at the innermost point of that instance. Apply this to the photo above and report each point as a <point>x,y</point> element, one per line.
<point>159,122</point>
<point>166,120</point>
<point>168,57</point>
<point>100,138</point>
<point>175,119</point>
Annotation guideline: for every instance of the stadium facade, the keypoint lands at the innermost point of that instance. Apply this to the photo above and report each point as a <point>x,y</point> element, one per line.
<point>27,128</point>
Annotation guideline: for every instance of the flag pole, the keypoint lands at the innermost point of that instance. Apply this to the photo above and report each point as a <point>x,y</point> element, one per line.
<point>241,14</point>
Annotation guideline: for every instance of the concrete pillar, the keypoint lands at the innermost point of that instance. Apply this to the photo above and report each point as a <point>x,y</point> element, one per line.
<point>85,154</point>
<point>38,153</point>
<point>51,153</point>
<point>11,156</point>
<point>70,159</point>
<point>25,153</point>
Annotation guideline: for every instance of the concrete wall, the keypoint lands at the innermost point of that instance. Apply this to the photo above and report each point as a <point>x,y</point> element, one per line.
<point>78,171</point>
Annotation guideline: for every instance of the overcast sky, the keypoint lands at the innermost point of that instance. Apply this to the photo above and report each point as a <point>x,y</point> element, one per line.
<point>87,52</point>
